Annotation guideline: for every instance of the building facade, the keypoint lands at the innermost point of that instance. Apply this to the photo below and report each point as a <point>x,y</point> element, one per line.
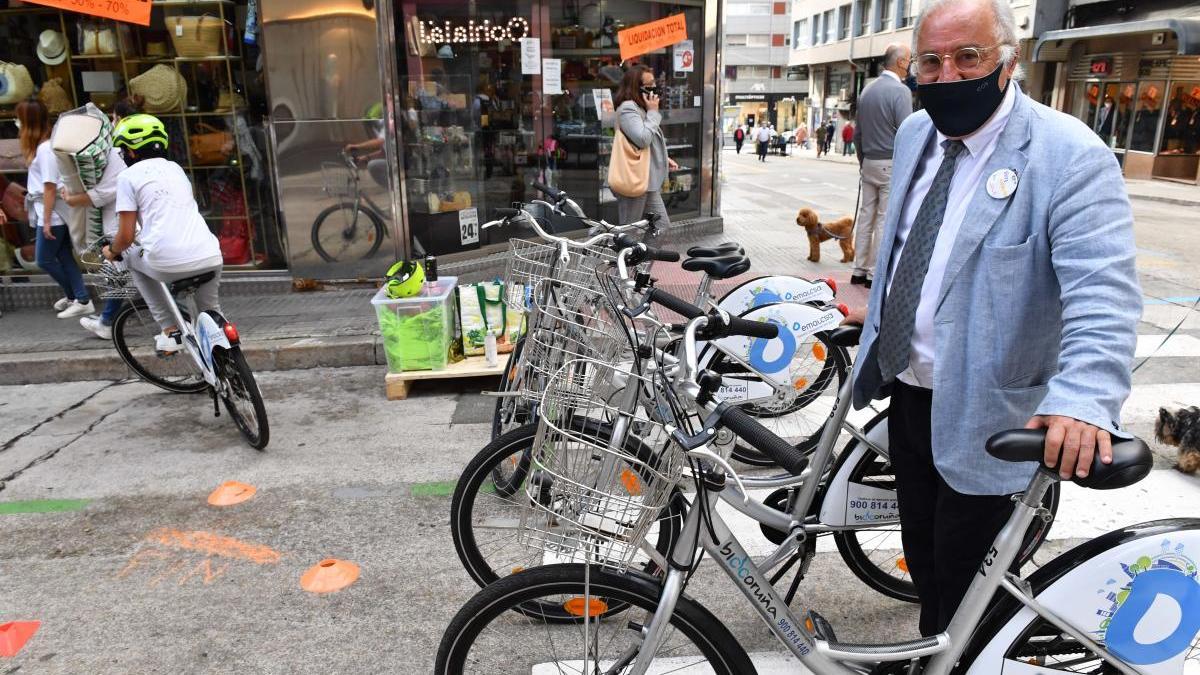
<point>758,83</point>
<point>841,43</point>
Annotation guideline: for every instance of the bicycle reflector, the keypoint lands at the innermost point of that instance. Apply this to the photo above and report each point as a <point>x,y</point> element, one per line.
<point>843,309</point>
<point>831,284</point>
<point>231,332</point>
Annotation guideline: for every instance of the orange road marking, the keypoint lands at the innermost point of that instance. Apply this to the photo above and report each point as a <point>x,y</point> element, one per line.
<point>214,544</point>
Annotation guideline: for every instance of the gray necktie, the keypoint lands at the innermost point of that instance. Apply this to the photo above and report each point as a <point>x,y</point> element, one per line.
<point>900,306</point>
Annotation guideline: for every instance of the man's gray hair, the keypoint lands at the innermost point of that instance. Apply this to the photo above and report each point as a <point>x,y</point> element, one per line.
<point>1005,27</point>
<point>894,53</point>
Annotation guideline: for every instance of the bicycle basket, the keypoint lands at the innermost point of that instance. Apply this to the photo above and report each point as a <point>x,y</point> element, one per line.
<point>529,262</point>
<point>113,281</point>
<point>599,478</point>
<point>337,179</point>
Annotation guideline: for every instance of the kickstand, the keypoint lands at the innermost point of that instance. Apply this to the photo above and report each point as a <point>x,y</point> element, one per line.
<point>216,404</point>
<point>806,559</point>
<point>783,569</point>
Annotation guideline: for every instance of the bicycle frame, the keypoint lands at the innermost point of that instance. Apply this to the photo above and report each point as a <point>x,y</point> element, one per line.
<point>199,337</point>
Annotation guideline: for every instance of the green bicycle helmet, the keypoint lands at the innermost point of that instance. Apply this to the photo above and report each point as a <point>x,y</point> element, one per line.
<point>404,279</point>
<point>137,131</point>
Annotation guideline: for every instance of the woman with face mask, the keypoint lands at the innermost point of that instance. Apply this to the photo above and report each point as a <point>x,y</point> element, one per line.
<point>639,119</point>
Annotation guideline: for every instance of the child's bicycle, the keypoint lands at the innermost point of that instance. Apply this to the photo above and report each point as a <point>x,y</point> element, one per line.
<point>212,342</point>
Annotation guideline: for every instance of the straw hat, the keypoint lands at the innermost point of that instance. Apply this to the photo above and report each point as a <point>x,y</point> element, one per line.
<point>55,97</point>
<point>162,87</point>
<point>52,47</point>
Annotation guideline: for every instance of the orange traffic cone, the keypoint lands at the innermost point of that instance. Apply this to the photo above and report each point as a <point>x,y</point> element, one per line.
<point>230,493</point>
<point>14,635</point>
<point>328,576</point>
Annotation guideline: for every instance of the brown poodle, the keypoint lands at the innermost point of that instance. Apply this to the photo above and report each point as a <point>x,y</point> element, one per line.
<point>841,229</point>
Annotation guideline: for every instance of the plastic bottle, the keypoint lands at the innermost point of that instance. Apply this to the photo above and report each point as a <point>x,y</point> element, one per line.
<point>489,349</point>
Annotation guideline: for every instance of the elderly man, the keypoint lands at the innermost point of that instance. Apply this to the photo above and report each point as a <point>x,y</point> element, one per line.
<point>882,106</point>
<point>1007,296</point>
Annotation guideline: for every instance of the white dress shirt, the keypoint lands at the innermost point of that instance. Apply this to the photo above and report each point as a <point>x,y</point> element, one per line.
<point>895,77</point>
<point>967,180</point>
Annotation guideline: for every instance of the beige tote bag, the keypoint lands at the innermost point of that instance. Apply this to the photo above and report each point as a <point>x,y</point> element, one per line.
<point>628,168</point>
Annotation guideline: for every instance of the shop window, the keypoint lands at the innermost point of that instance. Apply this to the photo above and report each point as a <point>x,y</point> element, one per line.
<point>1181,127</point>
<point>886,8</point>
<point>1148,110</point>
<point>777,40</point>
<point>843,22</point>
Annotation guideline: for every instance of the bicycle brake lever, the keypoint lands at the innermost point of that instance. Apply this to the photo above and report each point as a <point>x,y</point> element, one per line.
<point>705,453</point>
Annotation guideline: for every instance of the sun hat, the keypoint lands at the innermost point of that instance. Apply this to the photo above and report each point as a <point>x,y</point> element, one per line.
<point>52,47</point>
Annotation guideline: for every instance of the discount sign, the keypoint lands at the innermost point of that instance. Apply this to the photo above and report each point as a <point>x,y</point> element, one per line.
<point>130,11</point>
<point>650,36</point>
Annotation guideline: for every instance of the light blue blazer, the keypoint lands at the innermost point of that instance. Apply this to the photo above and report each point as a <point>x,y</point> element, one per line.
<point>1039,307</point>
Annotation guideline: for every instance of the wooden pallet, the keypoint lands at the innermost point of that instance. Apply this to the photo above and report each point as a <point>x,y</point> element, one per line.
<point>472,366</point>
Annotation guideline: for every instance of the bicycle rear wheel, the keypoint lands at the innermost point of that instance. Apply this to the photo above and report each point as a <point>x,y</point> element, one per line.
<point>134,331</point>
<point>240,394</point>
<point>342,232</point>
<point>487,637</point>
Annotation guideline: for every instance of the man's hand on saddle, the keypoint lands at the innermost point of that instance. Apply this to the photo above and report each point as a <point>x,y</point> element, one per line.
<point>1075,441</point>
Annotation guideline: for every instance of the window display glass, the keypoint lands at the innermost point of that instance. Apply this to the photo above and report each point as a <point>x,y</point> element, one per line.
<point>1181,128</point>
<point>1147,112</point>
<point>475,130</point>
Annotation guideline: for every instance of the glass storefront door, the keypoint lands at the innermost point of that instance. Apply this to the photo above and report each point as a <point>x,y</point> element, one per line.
<point>475,132</point>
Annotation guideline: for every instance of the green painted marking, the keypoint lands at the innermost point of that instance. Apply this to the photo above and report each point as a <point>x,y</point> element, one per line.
<point>42,506</point>
<point>441,489</point>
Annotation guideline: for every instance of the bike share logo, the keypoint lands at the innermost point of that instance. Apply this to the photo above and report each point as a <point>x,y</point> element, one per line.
<point>1154,583</point>
<point>740,564</point>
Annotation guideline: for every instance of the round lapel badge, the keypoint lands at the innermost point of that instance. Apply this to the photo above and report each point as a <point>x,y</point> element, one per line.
<point>1002,183</point>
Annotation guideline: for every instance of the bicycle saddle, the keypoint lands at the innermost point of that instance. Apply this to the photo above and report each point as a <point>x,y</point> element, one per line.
<point>190,283</point>
<point>715,251</point>
<point>1131,460</point>
<point>846,336</point>
<point>723,267</point>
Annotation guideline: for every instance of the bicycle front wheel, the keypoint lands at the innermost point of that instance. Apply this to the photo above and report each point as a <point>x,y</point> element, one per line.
<point>346,232</point>
<point>134,331</point>
<point>486,637</point>
<point>239,392</point>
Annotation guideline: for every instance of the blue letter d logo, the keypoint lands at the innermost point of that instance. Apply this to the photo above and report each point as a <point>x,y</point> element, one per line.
<point>1147,586</point>
<point>758,350</point>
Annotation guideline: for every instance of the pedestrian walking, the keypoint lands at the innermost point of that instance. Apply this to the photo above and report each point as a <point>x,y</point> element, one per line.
<point>638,116</point>
<point>882,106</point>
<point>847,138</point>
<point>802,136</point>
<point>1010,227</point>
<point>739,137</point>
<point>830,130</point>
<point>53,252</point>
<point>764,141</point>
<point>820,139</point>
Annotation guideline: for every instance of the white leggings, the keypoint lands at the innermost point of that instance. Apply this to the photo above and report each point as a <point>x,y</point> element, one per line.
<point>147,279</point>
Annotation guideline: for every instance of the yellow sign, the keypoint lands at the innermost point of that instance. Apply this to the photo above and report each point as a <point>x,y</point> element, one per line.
<point>131,11</point>
<point>650,36</point>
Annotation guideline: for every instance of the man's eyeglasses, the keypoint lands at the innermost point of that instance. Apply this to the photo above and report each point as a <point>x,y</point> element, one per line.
<point>965,60</point>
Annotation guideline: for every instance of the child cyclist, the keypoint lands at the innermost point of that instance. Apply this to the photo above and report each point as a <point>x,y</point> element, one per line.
<point>160,233</point>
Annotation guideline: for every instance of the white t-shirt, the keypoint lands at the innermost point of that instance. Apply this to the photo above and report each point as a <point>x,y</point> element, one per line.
<point>44,169</point>
<point>173,234</point>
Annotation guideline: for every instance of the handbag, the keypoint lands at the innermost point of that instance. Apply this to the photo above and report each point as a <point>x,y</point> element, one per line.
<point>13,204</point>
<point>196,35</point>
<point>162,89</point>
<point>482,309</point>
<point>211,147</point>
<point>55,97</point>
<point>15,83</point>
<point>628,167</point>
<point>454,201</point>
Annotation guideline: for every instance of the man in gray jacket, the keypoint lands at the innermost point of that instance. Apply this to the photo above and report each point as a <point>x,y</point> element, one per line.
<point>882,106</point>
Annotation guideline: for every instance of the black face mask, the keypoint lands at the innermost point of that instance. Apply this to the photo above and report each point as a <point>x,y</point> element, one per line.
<point>911,82</point>
<point>646,91</point>
<point>959,108</point>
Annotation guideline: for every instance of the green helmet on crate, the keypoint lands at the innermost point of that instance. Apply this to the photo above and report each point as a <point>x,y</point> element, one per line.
<point>404,279</point>
<point>137,131</point>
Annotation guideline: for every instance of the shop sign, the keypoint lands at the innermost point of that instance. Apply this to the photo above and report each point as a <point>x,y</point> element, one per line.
<point>1153,67</point>
<point>531,53</point>
<point>749,97</point>
<point>434,32</point>
<point>1101,66</point>
<point>130,11</point>
<point>468,226</point>
<point>647,37</point>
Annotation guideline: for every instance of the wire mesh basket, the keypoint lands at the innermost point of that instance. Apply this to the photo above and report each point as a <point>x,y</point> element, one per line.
<point>600,478</point>
<point>529,262</point>
<point>111,279</point>
<point>337,179</point>
<point>571,322</point>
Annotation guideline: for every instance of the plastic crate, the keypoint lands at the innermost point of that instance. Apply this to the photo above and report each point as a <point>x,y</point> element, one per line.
<point>418,331</point>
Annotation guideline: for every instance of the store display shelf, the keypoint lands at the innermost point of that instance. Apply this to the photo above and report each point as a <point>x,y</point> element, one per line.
<point>95,57</point>
<point>186,59</point>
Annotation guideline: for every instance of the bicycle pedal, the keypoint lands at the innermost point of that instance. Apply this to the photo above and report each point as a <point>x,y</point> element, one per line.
<point>818,626</point>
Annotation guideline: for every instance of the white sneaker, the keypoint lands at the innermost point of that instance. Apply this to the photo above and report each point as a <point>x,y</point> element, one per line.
<point>165,344</point>
<point>61,304</point>
<point>77,308</point>
<point>93,324</point>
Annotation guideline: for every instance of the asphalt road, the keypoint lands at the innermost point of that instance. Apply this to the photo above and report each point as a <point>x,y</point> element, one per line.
<point>106,537</point>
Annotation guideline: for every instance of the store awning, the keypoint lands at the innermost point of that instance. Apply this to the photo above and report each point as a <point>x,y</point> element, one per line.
<point>1187,33</point>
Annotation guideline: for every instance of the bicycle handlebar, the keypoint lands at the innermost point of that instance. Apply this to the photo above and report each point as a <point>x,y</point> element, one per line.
<point>556,195</point>
<point>762,439</point>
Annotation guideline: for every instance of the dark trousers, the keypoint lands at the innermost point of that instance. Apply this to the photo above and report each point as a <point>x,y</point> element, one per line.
<point>763,146</point>
<point>945,533</point>
<point>739,145</point>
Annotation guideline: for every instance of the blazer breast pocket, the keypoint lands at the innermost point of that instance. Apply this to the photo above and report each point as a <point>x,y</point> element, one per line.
<point>1022,301</point>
